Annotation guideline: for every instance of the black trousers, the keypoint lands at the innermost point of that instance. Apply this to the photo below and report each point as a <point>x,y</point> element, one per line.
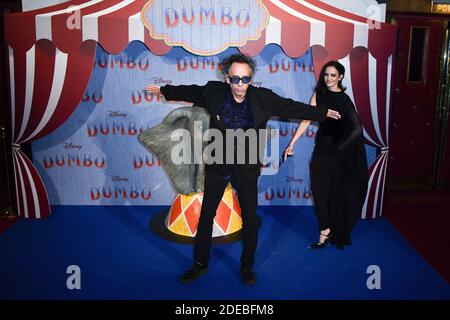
<point>215,184</point>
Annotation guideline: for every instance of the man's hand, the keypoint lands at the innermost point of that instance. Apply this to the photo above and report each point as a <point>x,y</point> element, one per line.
<point>153,89</point>
<point>333,114</point>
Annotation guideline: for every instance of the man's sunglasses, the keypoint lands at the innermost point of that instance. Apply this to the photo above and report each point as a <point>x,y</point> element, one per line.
<point>236,79</point>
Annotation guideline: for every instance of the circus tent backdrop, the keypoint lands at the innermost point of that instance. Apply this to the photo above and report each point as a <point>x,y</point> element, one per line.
<point>51,55</point>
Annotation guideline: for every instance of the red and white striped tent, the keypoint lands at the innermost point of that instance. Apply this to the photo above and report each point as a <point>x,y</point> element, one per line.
<point>50,64</point>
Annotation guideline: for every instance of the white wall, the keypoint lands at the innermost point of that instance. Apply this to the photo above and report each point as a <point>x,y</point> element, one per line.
<point>28,5</point>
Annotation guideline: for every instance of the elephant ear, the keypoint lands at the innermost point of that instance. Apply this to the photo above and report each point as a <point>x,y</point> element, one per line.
<point>186,176</point>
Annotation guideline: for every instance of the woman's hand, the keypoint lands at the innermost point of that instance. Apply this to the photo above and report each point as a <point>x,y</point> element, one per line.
<point>153,89</point>
<point>288,152</point>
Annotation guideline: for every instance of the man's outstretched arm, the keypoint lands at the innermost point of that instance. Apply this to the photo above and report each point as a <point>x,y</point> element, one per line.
<point>190,93</point>
<point>288,108</point>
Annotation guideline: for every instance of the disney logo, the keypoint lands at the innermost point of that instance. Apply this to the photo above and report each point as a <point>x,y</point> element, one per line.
<point>293,179</point>
<point>118,178</point>
<point>70,145</point>
<point>257,83</point>
<point>159,80</point>
<point>115,114</point>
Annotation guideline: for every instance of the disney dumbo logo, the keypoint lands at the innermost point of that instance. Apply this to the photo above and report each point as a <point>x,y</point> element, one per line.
<point>222,23</point>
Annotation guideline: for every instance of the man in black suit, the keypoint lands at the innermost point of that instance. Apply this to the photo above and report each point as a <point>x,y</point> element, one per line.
<point>235,105</point>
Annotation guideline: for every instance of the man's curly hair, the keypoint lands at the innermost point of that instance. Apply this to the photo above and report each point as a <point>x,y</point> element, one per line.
<point>226,63</point>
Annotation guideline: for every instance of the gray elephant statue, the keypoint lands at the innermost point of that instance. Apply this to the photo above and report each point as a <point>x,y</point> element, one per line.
<point>161,139</point>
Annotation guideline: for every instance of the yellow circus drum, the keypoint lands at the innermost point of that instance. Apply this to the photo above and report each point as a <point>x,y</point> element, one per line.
<point>185,212</point>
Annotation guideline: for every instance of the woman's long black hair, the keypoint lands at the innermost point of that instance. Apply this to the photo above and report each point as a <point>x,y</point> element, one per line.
<point>321,86</point>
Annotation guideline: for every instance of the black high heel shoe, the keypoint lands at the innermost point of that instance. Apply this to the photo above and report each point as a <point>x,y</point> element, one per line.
<point>320,245</point>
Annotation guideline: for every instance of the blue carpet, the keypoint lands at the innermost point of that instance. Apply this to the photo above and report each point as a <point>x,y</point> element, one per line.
<point>120,258</point>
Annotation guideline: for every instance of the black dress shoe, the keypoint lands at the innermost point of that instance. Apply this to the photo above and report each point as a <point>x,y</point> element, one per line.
<point>320,245</point>
<point>248,275</point>
<point>194,273</point>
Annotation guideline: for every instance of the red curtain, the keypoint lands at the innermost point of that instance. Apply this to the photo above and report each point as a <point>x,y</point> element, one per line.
<point>372,80</point>
<point>46,85</point>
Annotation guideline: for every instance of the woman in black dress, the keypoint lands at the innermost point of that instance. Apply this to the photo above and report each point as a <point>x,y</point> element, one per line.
<point>338,164</point>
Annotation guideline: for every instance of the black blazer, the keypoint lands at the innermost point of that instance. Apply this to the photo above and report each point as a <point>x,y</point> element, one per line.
<point>264,104</point>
